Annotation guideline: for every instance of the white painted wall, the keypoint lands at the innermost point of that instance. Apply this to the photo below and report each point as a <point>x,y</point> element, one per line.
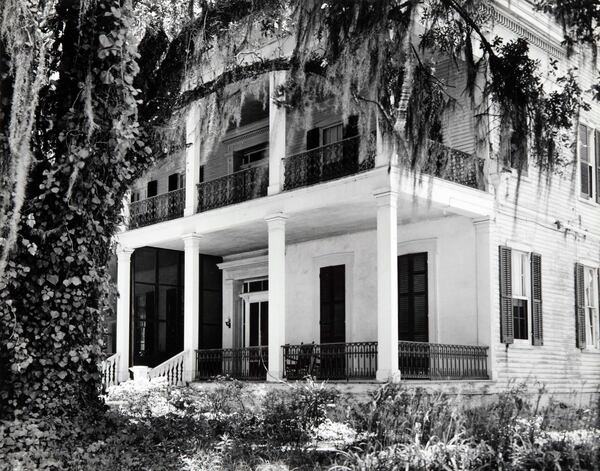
<point>453,309</point>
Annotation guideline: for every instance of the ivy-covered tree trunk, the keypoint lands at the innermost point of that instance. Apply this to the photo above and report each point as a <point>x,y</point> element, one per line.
<point>87,150</point>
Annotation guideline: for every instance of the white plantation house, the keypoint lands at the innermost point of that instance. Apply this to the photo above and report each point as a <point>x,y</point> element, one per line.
<point>285,249</point>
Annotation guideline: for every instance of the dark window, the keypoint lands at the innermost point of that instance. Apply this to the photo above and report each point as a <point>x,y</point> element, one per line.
<point>135,196</point>
<point>201,174</point>
<point>152,189</point>
<point>157,305</point>
<point>211,304</point>
<point>174,180</point>
<point>413,323</point>
<point>520,319</point>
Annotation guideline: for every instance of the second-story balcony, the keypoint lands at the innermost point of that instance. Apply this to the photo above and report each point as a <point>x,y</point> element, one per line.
<point>321,164</point>
<point>454,165</point>
<point>325,163</point>
<point>157,209</point>
<point>234,188</point>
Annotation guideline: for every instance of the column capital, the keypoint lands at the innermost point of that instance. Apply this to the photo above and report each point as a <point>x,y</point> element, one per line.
<point>483,222</point>
<point>124,253</point>
<point>191,240</point>
<point>386,196</point>
<point>276,219</point>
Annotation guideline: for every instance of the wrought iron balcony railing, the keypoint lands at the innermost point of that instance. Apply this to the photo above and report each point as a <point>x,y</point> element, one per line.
<point>421,360</point>
<point>250,363</point>
<point>454,165</point>
<point>325,163</point>
<point>346,361</point>
<point>157,209</point>
<point>233,188</point>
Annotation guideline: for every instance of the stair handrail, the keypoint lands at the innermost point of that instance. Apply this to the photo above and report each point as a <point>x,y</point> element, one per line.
<point>109,371</point>
<point>172,369</point>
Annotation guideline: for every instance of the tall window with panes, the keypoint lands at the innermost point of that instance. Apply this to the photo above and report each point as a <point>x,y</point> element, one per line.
<point>520,296</point>
<point>589,163</point>
<point>587,315</point>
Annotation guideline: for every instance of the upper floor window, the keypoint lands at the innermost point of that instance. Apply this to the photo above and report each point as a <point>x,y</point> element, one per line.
<point>176,181</point>
<point>589,162</point>
<point>252,156</point>
<point>152,189</point>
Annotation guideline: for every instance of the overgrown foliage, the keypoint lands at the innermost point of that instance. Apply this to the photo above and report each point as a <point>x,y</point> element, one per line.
<point>86,150</point>
<point>229,425</point>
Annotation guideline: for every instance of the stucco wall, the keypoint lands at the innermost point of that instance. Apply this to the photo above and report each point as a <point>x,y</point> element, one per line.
<point>450,243</point>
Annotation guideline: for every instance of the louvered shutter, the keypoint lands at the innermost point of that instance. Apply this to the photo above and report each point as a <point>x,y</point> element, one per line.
<point>506,317</point>
<point>536,299</point>
<point>597,155</point>
<point>579,306</point>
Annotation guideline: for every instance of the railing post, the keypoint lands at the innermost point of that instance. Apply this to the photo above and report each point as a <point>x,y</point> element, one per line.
<point>276,260</point>
<point>277,130</point>
<point>387,285</point>
<point>191,303</point>
<point>123,310</point>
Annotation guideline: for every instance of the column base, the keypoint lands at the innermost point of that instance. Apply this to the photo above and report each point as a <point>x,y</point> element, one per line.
<point>188,212</point>
<point>273,190</point>
<point>274,376</point>
<point>388,376</point>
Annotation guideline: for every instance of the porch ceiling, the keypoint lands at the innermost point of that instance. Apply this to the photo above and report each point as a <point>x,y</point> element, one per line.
<point>312,224</point>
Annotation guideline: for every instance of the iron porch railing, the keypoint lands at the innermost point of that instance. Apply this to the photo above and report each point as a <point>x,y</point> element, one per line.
<point>157,209</point>
<point>342,361</point>
<point>454,165</point>
<point>234,188</point>
<point>250,363</point>
<point>325,163</point>
<point>422,360</point>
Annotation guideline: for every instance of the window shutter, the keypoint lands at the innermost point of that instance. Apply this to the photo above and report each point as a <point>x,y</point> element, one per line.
<point>597,155</point>
<point>312,139</point>
<point>536,299</point>
<point>579,306</point>
<point>506,318</point>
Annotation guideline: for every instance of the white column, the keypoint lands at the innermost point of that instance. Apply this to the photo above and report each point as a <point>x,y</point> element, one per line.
<point>276,225</point>
<point>192,160</point>
<point>191,302</point>
<point>486,280</point>
<point>277,130</point>
<point>123,310</point>
<point>387,285</point>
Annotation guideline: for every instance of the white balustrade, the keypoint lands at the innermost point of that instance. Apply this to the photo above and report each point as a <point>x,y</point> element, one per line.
<point>172,369</point>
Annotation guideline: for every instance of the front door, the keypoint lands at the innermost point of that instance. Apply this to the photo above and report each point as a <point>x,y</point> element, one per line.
<point>333,322</point>
<point>256,334</point>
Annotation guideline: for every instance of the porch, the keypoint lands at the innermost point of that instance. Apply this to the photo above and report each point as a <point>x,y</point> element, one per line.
<point>348,361</point>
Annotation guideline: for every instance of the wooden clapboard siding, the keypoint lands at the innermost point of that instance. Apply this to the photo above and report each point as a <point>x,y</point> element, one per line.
<point>549,217</point>
<point>458,122</point>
